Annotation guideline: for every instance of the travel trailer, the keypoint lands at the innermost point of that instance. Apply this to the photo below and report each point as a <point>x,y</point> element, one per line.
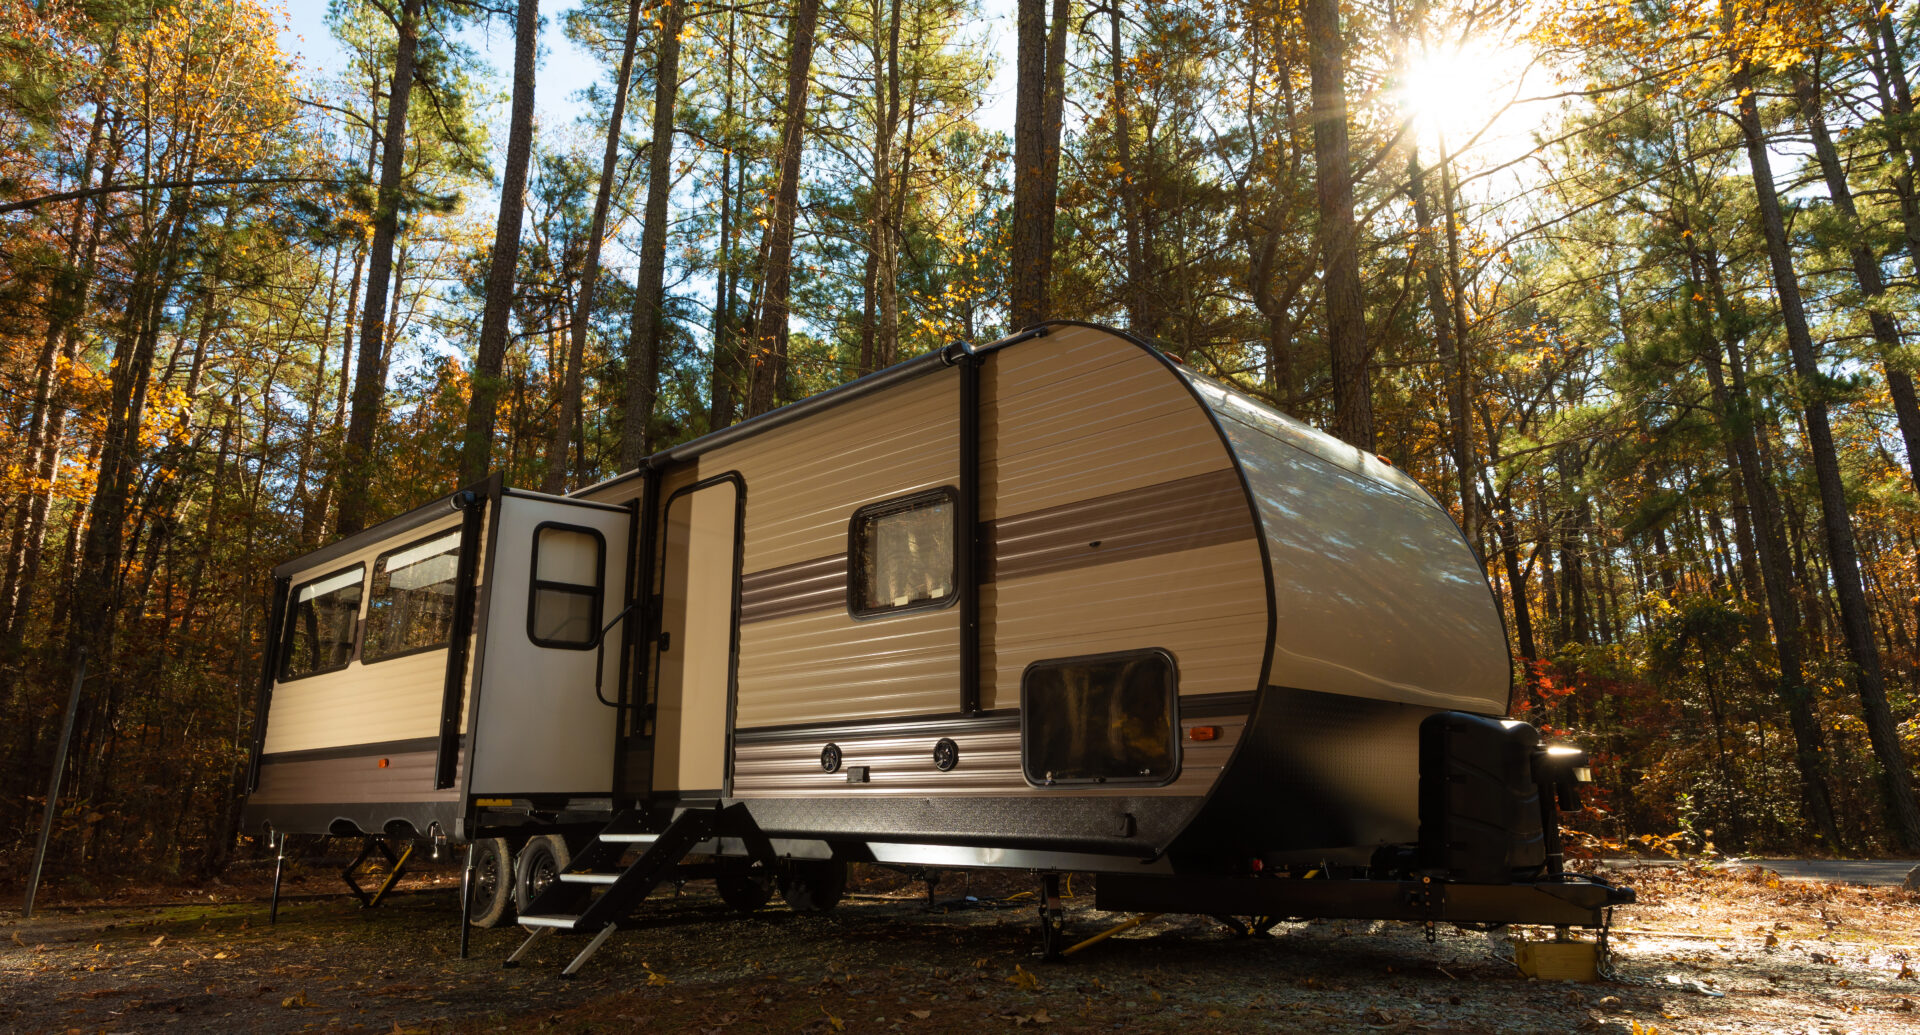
<point>1054,603</point>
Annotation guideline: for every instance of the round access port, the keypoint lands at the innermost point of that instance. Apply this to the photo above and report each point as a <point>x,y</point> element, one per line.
<point>830,758</point>
<point>946,754</point>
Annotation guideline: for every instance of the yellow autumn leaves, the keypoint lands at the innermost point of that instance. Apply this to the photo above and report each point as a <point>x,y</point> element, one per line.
<point>207,83</point>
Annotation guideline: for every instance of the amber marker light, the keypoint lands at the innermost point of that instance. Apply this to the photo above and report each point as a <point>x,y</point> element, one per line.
<point>383,763</point>
<point>1203,733</point>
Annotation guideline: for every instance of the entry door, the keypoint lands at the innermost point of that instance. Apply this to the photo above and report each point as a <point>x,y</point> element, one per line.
<point>699,623</point>
<point>557,574</point>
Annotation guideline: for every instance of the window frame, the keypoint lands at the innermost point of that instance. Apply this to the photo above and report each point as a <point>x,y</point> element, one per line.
<point>856,552</point>
<point>374,572</point>
<point>535,584</point>
<point>1174,735</point>
<point>280,675</point>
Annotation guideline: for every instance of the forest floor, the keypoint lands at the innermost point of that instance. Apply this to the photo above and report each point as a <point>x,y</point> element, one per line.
<point>1702,951</point>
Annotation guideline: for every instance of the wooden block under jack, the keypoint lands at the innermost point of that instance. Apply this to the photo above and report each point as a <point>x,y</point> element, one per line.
<point>1557,961</point>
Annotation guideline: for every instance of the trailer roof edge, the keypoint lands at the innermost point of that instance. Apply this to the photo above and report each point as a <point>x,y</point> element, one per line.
<point>441,506</point>
<point>905,370</point>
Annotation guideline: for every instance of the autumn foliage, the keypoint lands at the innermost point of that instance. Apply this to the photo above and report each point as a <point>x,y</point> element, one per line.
<point>1617,309</point>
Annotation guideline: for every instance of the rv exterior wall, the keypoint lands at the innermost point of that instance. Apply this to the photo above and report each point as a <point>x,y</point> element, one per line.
<point>804,483</point>
<point>1117,522</point>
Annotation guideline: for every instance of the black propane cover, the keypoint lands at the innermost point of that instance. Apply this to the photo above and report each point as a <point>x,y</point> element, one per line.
<point>1480,817</point>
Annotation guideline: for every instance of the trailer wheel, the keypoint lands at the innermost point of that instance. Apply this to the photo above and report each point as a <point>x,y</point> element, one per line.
<point>813,885</point>
<point>538,868</point>
<point>492,883</point>
<point>743,886</point>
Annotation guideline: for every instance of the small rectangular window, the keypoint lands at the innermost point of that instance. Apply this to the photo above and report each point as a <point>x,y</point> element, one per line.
<point>563,605</point>
<point>410,607</point>
<point>321,618</point>
<point>900,555</point>
<point>1098,719</point>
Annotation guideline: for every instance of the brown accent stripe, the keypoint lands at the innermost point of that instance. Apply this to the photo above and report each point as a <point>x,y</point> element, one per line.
<point>1183,514</point>
<point>794,589</point>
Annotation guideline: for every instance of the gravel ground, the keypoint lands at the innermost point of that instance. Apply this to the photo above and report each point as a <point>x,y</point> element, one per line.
<point>1704,951</point>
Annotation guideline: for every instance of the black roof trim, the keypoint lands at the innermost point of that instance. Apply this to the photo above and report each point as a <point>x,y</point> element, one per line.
<point>879,380</point>
<point>389,528</point>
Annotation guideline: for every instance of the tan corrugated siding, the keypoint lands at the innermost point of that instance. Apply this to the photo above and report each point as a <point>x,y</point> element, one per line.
<point>1208,607</point>
<point>407,776</point>
<point>1079,414</point>
<point>989,766</point>
<point>805,480</point>
<point>398,699</point>
<point>826,667</point>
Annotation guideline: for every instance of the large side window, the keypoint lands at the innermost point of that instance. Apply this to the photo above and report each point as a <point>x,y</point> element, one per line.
<point>1107,717</point>
<point>900,555</point>
<point>410,607</point>
<point>563,608</point>
<point>321,616</point>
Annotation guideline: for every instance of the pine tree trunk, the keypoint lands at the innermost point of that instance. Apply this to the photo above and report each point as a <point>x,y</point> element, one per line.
<point>769,358</point>
<point>886,232</point>
<point>1038,106</point>
<point>1140,317</point>
<point>1856,621</point>
<point>1810,752</point>
<point>1902,136</point>
<point>1866,272</point>
<point>570,391</point>
<point>1459,433</point>
<point>369,386</point>
<point>723,379</point>
<point>1333,179</point>
<point>648,330</point>
<point>476,451</point>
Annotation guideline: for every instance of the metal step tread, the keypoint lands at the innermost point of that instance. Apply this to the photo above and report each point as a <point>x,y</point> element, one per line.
<point>562,921</point>
<point>630,839</point>
<point>589,878</point>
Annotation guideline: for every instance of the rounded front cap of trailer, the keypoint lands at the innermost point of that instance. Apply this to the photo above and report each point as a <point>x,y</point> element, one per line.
<point>1374,590</point>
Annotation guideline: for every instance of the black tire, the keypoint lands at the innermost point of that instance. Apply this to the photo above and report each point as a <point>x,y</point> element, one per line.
<point>813,885</point>
<point>537,868</point>
<point>743,886</point>
<point>492,883</point>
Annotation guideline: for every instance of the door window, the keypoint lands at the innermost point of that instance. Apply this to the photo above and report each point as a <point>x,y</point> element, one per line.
<point>563,608</point>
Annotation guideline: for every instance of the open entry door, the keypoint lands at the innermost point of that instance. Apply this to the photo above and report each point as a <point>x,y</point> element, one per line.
<point>556,573</point>
<point>699,638</point>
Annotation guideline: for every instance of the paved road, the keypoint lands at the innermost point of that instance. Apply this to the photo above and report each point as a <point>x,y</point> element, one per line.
<point>1838,871</point>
